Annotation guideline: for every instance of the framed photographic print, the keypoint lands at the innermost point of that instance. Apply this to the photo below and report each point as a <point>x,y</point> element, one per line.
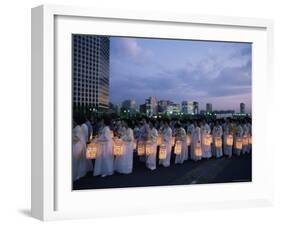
<point>134,111</point>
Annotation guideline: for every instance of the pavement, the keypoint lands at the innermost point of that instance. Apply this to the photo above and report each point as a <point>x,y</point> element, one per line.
<point>222,170</point>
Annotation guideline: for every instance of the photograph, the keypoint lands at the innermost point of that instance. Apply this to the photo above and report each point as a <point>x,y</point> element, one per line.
<point>152,111</point>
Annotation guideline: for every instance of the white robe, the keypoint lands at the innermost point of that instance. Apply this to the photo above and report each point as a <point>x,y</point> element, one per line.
<point>80,165</point>
<point>239,134</point>
<point>217,133</point>
<point>184,150</point>
<point>245,134</point>
<point>85,132</point>
<point>227,149</point>
<point>196,138</point>
<point>104,158</point>
<point>151,159</point>
<point>124,163</point>
<point>206,149</point>
<point>167,141</point>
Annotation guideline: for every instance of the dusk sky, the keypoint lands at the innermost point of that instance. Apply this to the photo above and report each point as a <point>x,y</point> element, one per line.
<point>215,72</point>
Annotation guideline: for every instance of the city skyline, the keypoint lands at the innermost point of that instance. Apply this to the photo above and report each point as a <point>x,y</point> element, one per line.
<point>201,71</point>
<point>184,106</point>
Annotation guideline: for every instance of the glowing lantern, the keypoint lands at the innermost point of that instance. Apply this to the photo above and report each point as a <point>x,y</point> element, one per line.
<point>159,140</point>
<point>198,150</point>
<point>178,147</point>
<point>250,139</point>
<point>118,148</point>
<point>162,152</point>
<point>245,140</point>
<point>238,143</point>
<point>229,140</point>
<point>148,148</point>
<point>207,140</point>
<point>92,150</point>
<point>218,142</point>
<point>173,141</point>
<point>141,148</point>
<point>135,145</point>
<point>188,139</point>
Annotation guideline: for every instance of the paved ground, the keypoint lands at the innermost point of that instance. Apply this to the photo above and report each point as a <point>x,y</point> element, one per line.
<point>237,168</point>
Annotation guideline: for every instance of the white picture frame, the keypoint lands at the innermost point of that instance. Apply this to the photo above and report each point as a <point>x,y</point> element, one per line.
<point>52,197</point>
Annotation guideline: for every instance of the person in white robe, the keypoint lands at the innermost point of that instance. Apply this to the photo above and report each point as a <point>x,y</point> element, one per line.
<point>80,165</point>
<point>104,159</point>
<point>217,134</point>
<point>85,132</point>
<point>246,133</point>
<point>152,139</point>
<point>124,163</point>
<point>238,135</point>
<point>167,142</point>
<point>144,134</point>
<point>227,149</point>
<point>206,148</point>
<point>250,137</point>
<point>196,140</point>
<point>181,136</point>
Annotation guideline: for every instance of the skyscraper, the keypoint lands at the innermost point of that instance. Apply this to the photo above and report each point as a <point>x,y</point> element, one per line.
<point>187,107</point>
<point>196,107</point>
<point>130,106</point>
<point>91,72</point>
<point>242,108</point>
<point>151,106</point>
<point>208,107</point>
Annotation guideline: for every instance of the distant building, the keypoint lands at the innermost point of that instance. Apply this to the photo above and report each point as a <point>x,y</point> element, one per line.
<point>196,107</point>
<point>129,106</point>
<point>190,107</point>
<point>91,72</point>
<point>224,114</point>
<point>143,109</point>
<point>242,108</point>
<point>208,107</point>
<point>162,106</point>
<point>173,108</point>
<point>151,106</point>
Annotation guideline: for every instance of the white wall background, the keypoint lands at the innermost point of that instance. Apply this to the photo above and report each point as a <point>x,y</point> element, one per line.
<point>15,111</point>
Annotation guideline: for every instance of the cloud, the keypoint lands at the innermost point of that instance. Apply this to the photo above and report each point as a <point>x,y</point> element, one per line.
<point>215,75</point>
<point>132,50</point>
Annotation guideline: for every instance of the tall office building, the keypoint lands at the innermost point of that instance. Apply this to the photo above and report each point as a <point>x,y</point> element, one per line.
<point>242,108</point>
<point>129,105</point>
<point>151,106</point>
<point>196,107</point>
<point>187,107</point>
<point>91,72</point>
<point>208,107</point>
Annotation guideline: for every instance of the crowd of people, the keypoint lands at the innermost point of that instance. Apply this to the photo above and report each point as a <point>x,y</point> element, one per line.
<point>107,146</point>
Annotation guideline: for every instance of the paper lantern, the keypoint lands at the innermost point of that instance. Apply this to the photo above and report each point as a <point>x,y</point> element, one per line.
<point>118,148</point>
<point>198,150</point>
<point>245,140</point>
<point>173,141</point>
<point>207,139</point>
<point>159,140</point>
<point>250,139</point>
<point>188,139</point>
<point>229,140</point>
<point>141,148</point>
<point>148,148</point>
<point>238,143</point>
<point>162,152</point>
<point>92,150</point>
<point>218,142</point>
<point>178,147</point>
